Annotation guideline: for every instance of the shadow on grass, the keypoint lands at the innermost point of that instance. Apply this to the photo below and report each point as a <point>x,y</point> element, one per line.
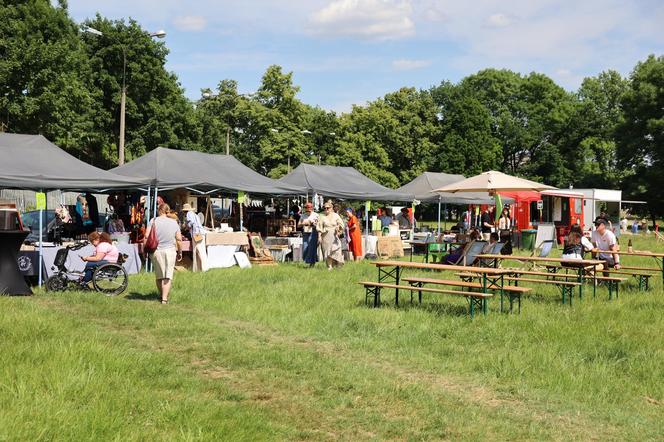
<point>135,296</point>
<point>438,309</point>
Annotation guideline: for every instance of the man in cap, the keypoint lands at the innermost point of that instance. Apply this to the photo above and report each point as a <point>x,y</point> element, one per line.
<point>604,239</point>
<point>308,222</point>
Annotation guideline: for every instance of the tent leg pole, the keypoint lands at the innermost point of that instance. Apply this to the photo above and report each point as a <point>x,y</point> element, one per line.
<point>241,226</point>
<point>41,247</point>
<point>154,213</point>
<point>438,230</point>
<point>147,221</point>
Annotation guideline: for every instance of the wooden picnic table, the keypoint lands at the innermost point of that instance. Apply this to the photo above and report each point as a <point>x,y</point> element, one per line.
<point>490,276</point>
<point>579,264</point>
<point>644,253</point>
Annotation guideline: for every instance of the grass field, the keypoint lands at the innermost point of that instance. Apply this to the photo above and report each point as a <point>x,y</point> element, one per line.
<point>292,353</point>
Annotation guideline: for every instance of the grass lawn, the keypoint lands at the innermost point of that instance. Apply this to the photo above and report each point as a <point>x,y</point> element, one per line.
<point>292,353</point>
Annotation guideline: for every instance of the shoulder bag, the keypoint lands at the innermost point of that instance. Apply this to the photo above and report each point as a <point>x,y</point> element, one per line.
<point>151,243</point>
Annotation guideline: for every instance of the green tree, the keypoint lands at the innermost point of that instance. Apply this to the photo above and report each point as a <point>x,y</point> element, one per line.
<point>157,113</point>
<point>598,113</point>
<point>46,84</point>
<point>640,136</point>
<point>468,145</point>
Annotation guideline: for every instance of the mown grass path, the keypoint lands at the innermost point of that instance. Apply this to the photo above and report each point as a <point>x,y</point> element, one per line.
<point>292,353</point>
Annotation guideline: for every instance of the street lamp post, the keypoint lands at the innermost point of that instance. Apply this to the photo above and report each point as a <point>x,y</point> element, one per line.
<point>228,129</point>
<point>123,91</point>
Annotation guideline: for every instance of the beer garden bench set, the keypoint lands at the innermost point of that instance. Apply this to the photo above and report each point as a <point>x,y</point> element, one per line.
<point>479,284</point>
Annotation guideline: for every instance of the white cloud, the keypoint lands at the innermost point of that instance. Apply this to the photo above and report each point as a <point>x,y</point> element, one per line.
<point>409,65</point>
<point>370,19</point>
<point>193,23</point>
<point>499,21</point>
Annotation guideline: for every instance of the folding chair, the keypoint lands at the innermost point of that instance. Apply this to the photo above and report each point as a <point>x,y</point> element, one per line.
<point>497,247</point>
<point>543,251</point>
<point>461,258</point>
<point>475,249</point>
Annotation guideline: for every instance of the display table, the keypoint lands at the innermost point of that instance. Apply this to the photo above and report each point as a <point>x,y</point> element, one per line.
<point>221,248</point>
<point>221,257</point>
<point>293,245</point>
<point>226,239</point>
<point>74,262</point>
<point>11,279</point>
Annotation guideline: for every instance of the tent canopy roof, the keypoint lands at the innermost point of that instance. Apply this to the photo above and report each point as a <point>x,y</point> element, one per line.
<point>33,162</point>
<point>170,168</point>
<point>341,182</point>
<point>424,185</point>
<point>493,180</point>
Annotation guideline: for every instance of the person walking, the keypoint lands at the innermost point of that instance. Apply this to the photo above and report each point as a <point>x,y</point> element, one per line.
<point>168,237</point>
<point>197,231</point>
<point>330,226</point>
<point>354,235</point>
<point>309,222</point>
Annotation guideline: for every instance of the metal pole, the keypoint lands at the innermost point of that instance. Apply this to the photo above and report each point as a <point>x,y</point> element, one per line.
<point>123,97</point>
<point>241,227</point>
<point>366,214</point>
<point>439,215</point>
<point>147,221</point>
<point>445,217</point>
<point>228,141</point>
<point>156,191</point>
<point>41,247</point>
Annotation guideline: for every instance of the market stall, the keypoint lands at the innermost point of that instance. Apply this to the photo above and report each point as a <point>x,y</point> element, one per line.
<point>34,163</point>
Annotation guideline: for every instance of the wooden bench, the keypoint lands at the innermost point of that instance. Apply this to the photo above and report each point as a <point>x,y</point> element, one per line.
<point>475,299</point>
<point>566,287</point>
<point>511,291</point>
<point>610,281</point>
<point>645,269</point>
<point>642,276</point>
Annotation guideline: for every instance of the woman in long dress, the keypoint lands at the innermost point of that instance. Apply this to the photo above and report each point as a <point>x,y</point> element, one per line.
<point>354,235</point>
<point>308,222</point>
<point>330,226</point>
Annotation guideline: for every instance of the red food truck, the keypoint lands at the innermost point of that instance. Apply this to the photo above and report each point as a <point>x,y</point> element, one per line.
<point>563,208</point>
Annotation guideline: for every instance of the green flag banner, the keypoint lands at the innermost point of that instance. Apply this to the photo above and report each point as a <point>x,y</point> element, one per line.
<point>499,207</point>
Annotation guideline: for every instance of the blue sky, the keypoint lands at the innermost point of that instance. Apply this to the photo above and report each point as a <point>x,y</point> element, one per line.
<point>345,52</point>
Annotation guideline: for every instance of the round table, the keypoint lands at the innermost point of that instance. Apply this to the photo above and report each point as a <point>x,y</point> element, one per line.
<point>11,279</point>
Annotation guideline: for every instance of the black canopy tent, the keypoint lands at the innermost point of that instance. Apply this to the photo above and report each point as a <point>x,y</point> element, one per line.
<point>422,187</point>
<point>31,162</point>
<point>342,183</point>
<point>201,172</point>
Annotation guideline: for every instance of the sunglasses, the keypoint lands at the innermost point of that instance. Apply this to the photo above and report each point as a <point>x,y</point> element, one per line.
<point>327,207</point>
